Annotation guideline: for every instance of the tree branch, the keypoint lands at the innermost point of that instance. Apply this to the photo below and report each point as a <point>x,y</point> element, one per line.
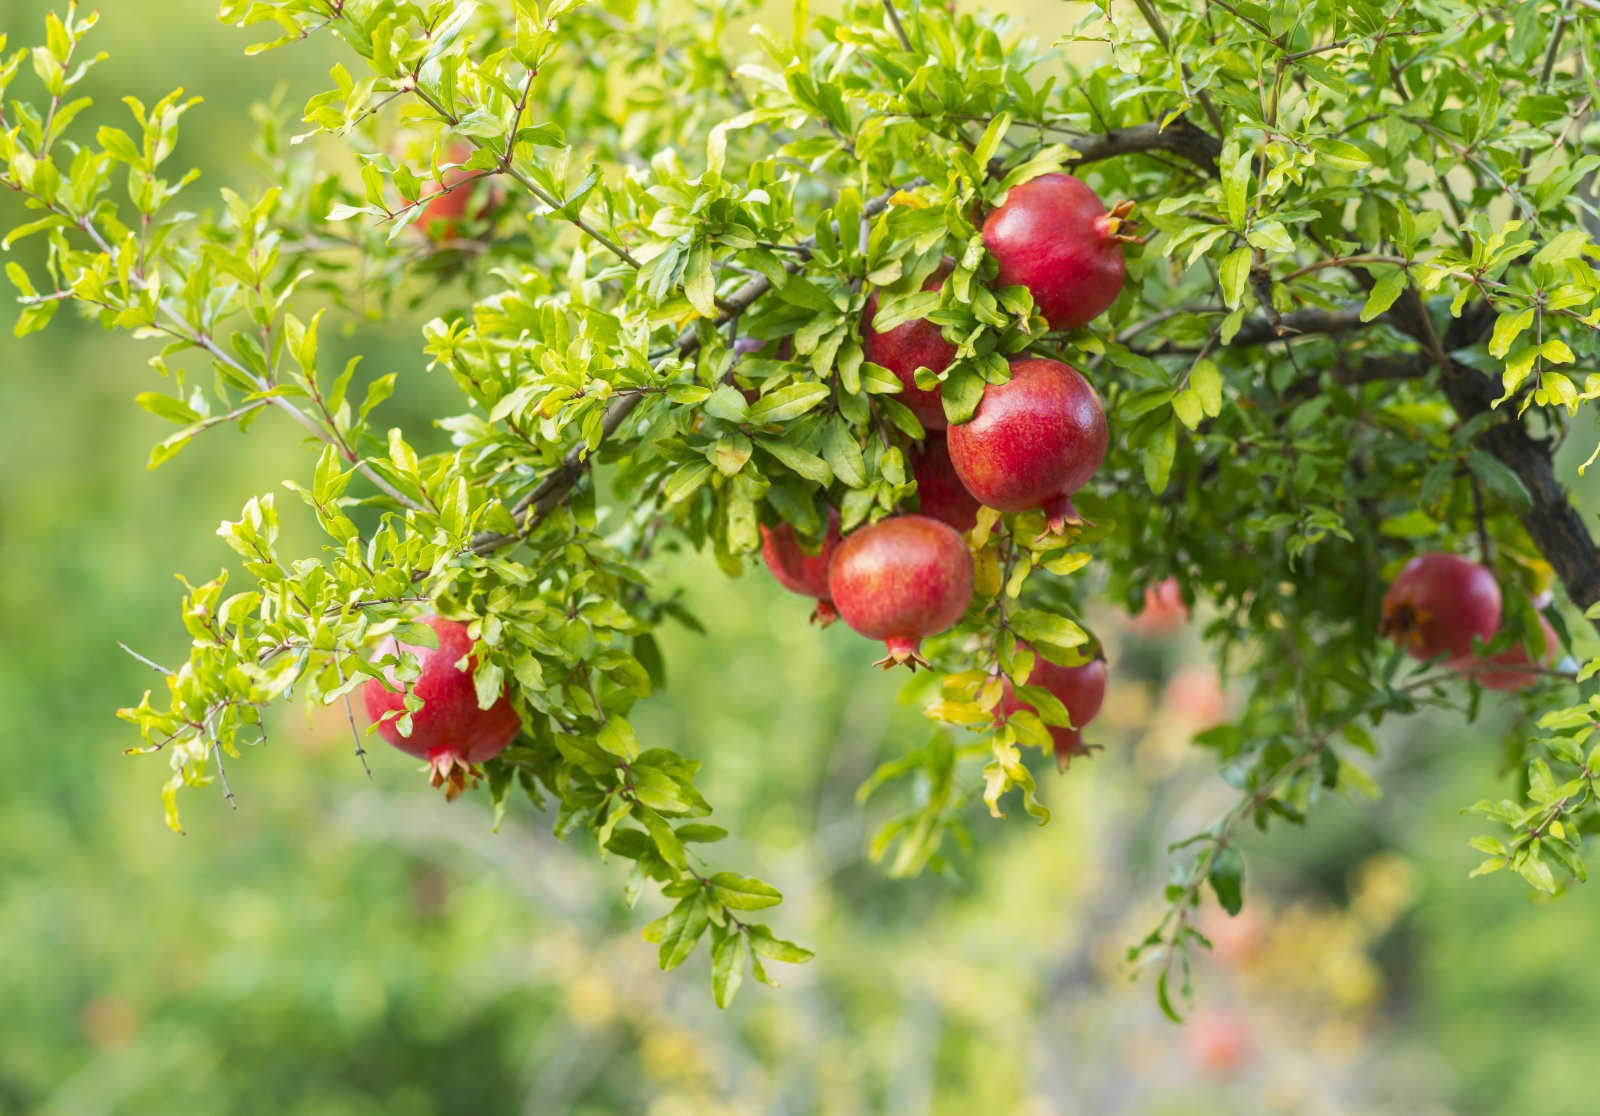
<point>1260,331</point>
<point>1181,138</point>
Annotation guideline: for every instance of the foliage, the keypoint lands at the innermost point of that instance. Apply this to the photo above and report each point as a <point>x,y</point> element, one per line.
<point>1330,354</point>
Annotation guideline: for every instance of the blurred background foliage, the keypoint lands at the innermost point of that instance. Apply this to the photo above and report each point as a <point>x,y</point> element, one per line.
<point>339,946</point>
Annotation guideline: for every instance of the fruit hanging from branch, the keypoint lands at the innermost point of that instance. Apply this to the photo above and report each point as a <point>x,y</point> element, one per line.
<point>1500,670</point>
<point>899,580</point>
<point>1439,604</point>
<point>801,569</point>
<point>1033,441</point>
<point>1080,689</point>
<point>913,344</point>
<point>452,730</point>
<point>940,492</point>
<point>1053,236</point>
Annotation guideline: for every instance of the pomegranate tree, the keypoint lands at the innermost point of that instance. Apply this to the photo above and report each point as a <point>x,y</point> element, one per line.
<point>1082,689</point>
<point>1438,604</point>
<point>1054,237</point>
<point>451,731</point>
<point>909,346</point>
<point>1033,441</point>
<point>802,569</point>
<point>939,489</point>
<point>899,580</point>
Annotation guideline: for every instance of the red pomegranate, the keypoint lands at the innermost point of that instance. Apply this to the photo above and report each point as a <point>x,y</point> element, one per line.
<point>1082,689</point>
<point>1219,1043</point>
<point>451,731</point>
<point>1033,441</point>
<point>1438,603</point>
<point>799,569</point>
<point>909,346</point>
<point>1194,694</point>
<point>940,491</point>
<point>899,580</point>
<point>1499,671</point>
<point>1164,611</point>
<point>1054,237</point>
<point>445,216</point>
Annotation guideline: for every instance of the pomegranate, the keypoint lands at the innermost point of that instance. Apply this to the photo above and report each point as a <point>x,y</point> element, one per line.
<point>899,580</point>
<point>1054,237</point>
<point>445,216</point>
<point>1219,1043</point>
<point>1194,694</point>
<point>1033,441</point>
<point>1082,689</point>
<point>1499,672</point>
<point>801,570</point>
<point>909,346</point>
<point>451,731</point>
<point>1164,611</point>
<point>1438,603</point>
<point>940,491</point>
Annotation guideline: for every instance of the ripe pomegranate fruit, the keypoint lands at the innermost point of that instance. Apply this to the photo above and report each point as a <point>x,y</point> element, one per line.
<point>1164,611</point>
<point>1033,441</point>
<point>1194,694</point>
<point>940,491</point>
<point>451,731</point>
<point>1438,603</point>
<point>899,580</point>
<point>1219,1042</point>
<point>1498,672</point>
<point>446,217</point>
<point>1054,237</point>
<point>909,346</point>
<point>1082,689</point>
<point>800,570</point>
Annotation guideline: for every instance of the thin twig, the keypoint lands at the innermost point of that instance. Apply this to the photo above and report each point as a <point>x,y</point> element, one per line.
<point>155,666</point>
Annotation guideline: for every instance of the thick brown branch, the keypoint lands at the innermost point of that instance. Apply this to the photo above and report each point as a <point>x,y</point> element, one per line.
<point>1181,138</point>
<point>1260,331</point>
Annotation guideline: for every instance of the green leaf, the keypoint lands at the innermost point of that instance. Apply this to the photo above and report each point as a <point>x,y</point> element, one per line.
<point>843,454</point>
<point>617,737</point>
<point>1044,627</point>
<point>684,926</point>
<point>686,481</point>
<point>728,958</point>
<point>787,402</point>
<point>1158,455</point>
<point>1338,153</point>
<point>742,893</point>
<point>1227,878</point>
<point>1234,275</point>
<point>763,942</point>
<point>165,406</point>
<point>1384,292</point>
<point>1206,382</point>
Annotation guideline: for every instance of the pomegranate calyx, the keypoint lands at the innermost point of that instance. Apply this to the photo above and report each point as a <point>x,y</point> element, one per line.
<point>1059,514</point>
<point>454,774</point>
<point>1114,224</point>
<point>1075,749</point>
<point>903,651</point>
<point>824,614</point>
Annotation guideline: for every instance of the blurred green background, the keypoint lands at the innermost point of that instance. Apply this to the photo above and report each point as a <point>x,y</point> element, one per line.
<point>345,946</point>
